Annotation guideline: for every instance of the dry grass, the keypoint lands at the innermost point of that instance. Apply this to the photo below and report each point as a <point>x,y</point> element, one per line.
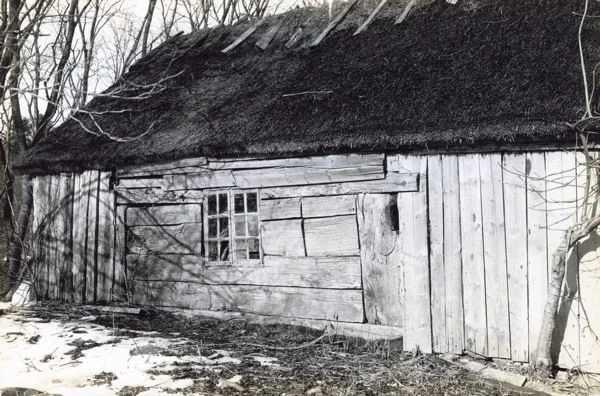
<point>331,365</point>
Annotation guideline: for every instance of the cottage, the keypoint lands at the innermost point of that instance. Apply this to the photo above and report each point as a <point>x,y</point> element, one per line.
<point>412,177</point>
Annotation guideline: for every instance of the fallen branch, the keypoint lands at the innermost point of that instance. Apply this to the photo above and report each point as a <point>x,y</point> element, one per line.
<point>326,333</point>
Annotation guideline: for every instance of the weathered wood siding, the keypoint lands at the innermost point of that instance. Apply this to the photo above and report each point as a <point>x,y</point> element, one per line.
<point>453,249</point>
<point>310,264</point>
<point>74,236</point>
<point>494,222</point>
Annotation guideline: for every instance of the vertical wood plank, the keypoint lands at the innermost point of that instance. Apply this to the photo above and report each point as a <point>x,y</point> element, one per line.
<point>435,183</point>
<point>53,232</point>
<point>515,198</point>
<point>412,215</point>
<point>66,236</point>
<point>80,202</point>
<point>40,232</point>
<point>537,245</point>
<point>119,284</point>
<point>380,259</point>
<point>452,255</point>
<point>91,272</point>
<point>472,257</point>
<point>105,239</point>
<point>496,298</point>
<point>561,203</point>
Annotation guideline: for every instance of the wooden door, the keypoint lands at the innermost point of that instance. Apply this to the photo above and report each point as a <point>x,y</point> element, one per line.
<point>380,257</point>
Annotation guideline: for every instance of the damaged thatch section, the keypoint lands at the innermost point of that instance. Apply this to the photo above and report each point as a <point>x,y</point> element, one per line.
<point>477,72</point>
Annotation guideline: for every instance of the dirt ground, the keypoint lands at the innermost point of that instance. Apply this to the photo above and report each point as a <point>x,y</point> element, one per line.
<point>73,350</point>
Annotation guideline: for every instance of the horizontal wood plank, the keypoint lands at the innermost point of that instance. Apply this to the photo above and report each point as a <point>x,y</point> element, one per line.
<point>199,181</point>
<point>180,166</point>
<point>283,238</point>
<point>319,272</point>
<point>290,176</point>
<point>185,238</point>
<point>325,272</point>
<point>287,208</point>
<point>173,267</point>
<point>394,182</point>
<point>331,236</point>
<point>157,195</point>
<point>326,162</point>
<point>297,302</point>
<point>164,214</point>
<point>328,206</point>
<point>145,182</point>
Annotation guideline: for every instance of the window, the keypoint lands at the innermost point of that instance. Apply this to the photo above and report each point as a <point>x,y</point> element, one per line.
<point>232,232</point>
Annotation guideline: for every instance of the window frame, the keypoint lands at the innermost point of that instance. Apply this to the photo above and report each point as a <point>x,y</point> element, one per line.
<point>231,238</point>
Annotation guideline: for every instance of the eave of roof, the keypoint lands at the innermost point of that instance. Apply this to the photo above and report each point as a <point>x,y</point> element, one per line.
<point>479,72</point>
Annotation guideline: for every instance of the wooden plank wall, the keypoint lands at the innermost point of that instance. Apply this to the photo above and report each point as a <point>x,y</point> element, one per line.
<point>468,267</point>
<point>73,222</point>
<point>310,238</point>
<point>494,222</point>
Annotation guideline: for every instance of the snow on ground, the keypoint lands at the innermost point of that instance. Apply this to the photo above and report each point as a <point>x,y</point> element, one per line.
<point>36,354</point>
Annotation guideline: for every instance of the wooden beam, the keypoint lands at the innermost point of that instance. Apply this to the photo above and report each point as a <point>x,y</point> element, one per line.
<point>243,37</point>
<point>328,206</point>
<point>180,166</point>
<point>285,208</point>
<point>199,181</point>
<point>274,177</point>
<point>405,12</point>
<point>297,302</point>
<point>157,195</point>
<point>268,36</point>
<point>325,161</point>
<point>394,182</point>
<point>294,38</point>
<point>368,21</point>
<point>185,238</point>
<point>318,272</point>
<point>164,215</point>
<point>333,23</point>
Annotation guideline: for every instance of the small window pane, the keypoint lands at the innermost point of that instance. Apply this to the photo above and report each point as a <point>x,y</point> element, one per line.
<point>223,226</point>
<point>241,247</point>
<point>240,226</point>
<point>251,201</point>
<point>222,203</point>
<point>224,250</point>
<point>213,251</point>
<point>252,225</point>
<point>239,203</point>
<point>212,228</point>
<point>253,249</point>
<point>212,204</point>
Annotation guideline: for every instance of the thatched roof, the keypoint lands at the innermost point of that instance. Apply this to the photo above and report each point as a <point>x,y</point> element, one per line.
<point>479,72</point>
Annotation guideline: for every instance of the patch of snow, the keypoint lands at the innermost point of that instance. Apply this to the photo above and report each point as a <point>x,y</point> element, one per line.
<point>266,361</point>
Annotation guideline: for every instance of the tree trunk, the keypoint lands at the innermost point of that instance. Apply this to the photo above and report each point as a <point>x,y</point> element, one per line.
<point>559,258</point>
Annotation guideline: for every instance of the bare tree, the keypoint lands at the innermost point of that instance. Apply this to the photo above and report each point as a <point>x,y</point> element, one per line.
<point>588,220</point>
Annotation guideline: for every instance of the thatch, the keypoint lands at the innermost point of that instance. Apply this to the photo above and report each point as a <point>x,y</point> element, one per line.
<point>480,72</point>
